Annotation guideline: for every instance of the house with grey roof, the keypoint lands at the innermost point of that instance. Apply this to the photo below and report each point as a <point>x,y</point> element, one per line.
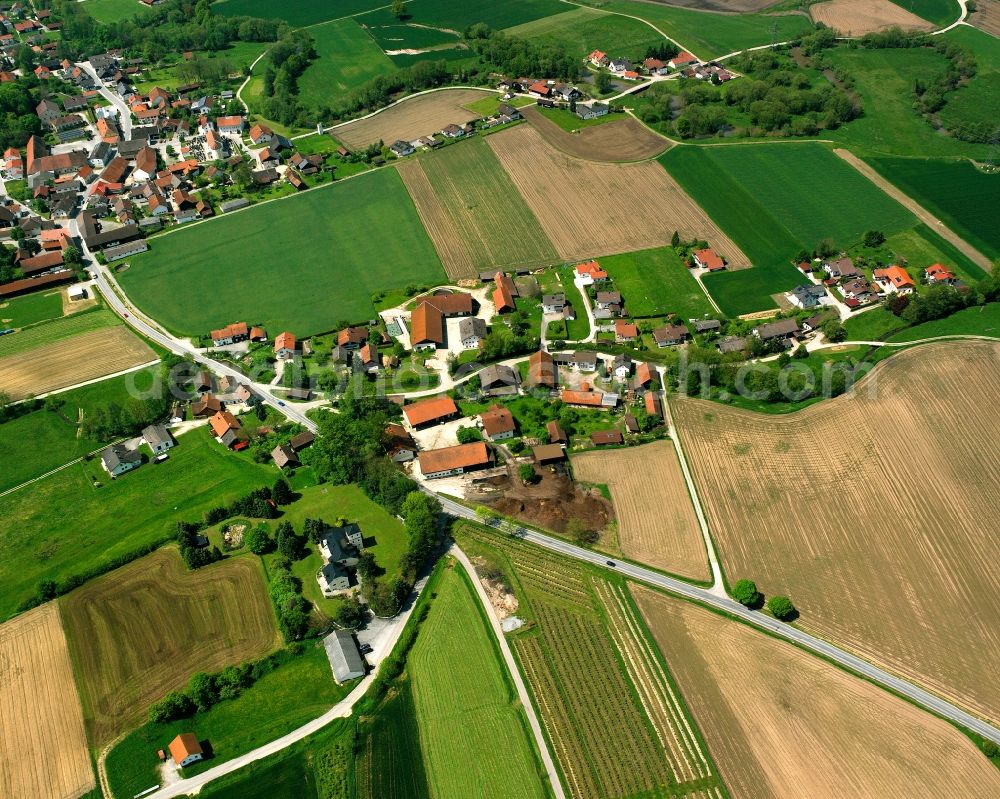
<point>333,579</point>
<point>471,332</point>
<point>158,438</point>
<point>118,459</point>
<point>344,657</point>
<point>553,303</point>
<point>498,380</point>
<point>807,296</point>
<point>782,329</point>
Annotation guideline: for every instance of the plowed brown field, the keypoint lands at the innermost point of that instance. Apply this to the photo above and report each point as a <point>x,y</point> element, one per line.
<point>781,723</point>
<point>469,207</point>
<point>422,115</point>
<point>590,209</point>
<point>875,513</point>
<point>858,17</point>
<point>987,17</point>
<point>144,629</point>
<point>656,521</point>
<point>43,748</point>
<point>625,139</point>
<point>83,357</point>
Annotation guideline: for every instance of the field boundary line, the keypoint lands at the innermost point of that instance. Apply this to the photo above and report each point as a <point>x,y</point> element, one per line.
<point>915,208</point>
<point>515,674</point>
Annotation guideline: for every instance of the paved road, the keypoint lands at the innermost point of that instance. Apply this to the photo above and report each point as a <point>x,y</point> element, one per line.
<point>124,115</point>
<point>815,645</point>
<point>515,675</point>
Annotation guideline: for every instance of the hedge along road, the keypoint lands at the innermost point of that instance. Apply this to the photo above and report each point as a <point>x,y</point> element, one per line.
<point>817,646</point>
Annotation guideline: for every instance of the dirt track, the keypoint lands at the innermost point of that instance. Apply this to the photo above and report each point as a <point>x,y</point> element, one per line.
<point>656,521</point>
<point>874,513</point>
<point>73,360</point>
<point>624,139</point>
<point>781,723</point>
<point>858,17</point>
<point>590,209</point>
<point>43,749</point>
<point>922,213</point>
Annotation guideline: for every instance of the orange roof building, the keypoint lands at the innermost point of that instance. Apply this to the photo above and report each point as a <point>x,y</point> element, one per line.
<point>936,273</point>
<point>426,327</point>
<point>589,399</point>
<point>643,374</point>
<point>237,331</point>
<point>430,411</point>
<point>222,423</point>
<point>456,304</point>
<point>708,259</point>
<point>591,270</point>
<point>541,370</point>
<point>625,331</point>
<point>896,278</point>
<point>185,749</point>
<point>284,345</point>
<point>498,423</point>
<point>454,460</point>
<point>653,404</point>
<point>503,294</point>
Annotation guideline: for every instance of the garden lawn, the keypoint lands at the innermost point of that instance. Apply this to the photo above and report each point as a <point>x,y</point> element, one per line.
<point>921,247</point>
<point>61,526</point>
<point>317,766</point>
<point>297,13</point>
<point>884,81</point>
<point>466,707</point>
<point>873,325</point>
<point>457,15</point>
<point>299,690</point>
<point>656,282</point>
<point>982,320</point>
<point>774,200</point>
<point>707,34</point>
<point>303,264</point>
<point>31,309</point>
<point>583,30</point>
<point>346,58</point>
<point>112,11</point>
<point>964,198</point>
<point>569,121</point>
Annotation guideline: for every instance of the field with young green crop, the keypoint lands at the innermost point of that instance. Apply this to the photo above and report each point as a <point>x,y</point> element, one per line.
<point>656,282</point>
<point>583,30</point>
<point>457,15</point>
<point>466,706</point>
<point>963,197</point>
<point>616,722</point>
<point>302,264</point>
<point>78,519</point>
<point>775,200</point>
<point>346,57</point>
<point>708,34</point>
<point>297,13</point>
<point>940,12</point>
<point>389,760</point>
<point>112,11</point>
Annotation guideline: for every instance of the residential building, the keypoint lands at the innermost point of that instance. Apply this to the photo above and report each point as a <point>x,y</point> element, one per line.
<point>230,334</point>
<point>708,259</point>
<point>283,455</point>
<point>842,269</point>
<point>598,58</point>
<point>498,380</point>
<point>352,337</point>
<point>621,366</point>
<point>118,459</point>
<point>858,291</point>
<point>589,273</point>
<point>553,303</point>
<point>158,438</point>
<point>706,325</point>
<point>681,60</point>
<point>895,279</point>
<point>593,110</point>
<point>401,148</point>
<point>731,344</point>
<point>498,423</point>
<point>807,296</point>
<point>605,300</point>
<point>670,335</point>
<point>625,332</point>
<point>400,446</point>
<point>284,346</point>
<point>345,659</point>
<point>581,360</point>
<point>782,329</point>
<point>206,405</point>
<point>185,750</point>
<point>451,461</point>
<point>472,331</point>
<point>939,275</point>
<point>541,370</point>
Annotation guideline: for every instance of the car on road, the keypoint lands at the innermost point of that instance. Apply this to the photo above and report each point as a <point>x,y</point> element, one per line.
<point>125,314</point>
<point>610,563</point>
<point>281,403</point>
<point>365,649</point>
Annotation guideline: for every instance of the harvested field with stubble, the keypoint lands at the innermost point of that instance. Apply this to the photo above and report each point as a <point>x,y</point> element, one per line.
<point>625,139</point>
<point>69,361</point>
<point>873,512</point>
<point>560,190</point>
<point>987,17</point>
<point>43,748</point>
<point>783,724</point>
<point>858,17</point>
<point>469,207</point>
<point>656,521</point>
<point>421,115</point>
<point>144,629</point>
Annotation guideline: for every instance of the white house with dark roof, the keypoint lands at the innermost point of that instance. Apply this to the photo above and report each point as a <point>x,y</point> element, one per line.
<point>158,438</point>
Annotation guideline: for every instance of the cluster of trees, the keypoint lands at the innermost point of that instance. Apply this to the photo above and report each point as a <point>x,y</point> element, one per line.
<point>745,592</point>
<point>290,607</point>
<point>935,303</point>
<point>776,95</point>
<point>256,505</point>
<point>113,420</point>
<point>205,690</point>
<point>195,556</point>
<point>171,27</point>
<point>503,342</point>
<point>18,120</point>
<point>509,55</point>
<point>286,61</point>
<point>379,91</point>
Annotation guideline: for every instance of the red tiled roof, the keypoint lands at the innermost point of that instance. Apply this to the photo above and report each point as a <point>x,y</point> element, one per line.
<point>183,746</point>
<point>710,259</point>
<point>448,304</point>
<point>497,420</point>
<point>895,275</point>
<point>464,456</point>
<point>593,269</point>
<point>429,410</point>
<point>223,421</point>
<point>590,398</point>
<point>541,369</point>
<point>427,325</point>
<point>625,329</point>
<point>284,341</point>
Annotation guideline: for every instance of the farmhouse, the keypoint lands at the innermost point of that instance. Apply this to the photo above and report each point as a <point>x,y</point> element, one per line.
<point>206,405</point>
<point>118,459</point>
<point>681,60</point>
<point>158,438</point>
<point>670,335</point>
<point>621,366</point>
<point>345,659</point>
<point>585,398</point>
<point>333,579</point>
<point>498,423</point>
<point>456,460</point>
<point>541,370</point>
<point>451,304</point>
<point>645,376</point>
<point>498,380</point>
<point>426,413</point>
<point>708,259</point>
<point>399,445</point>
<point>895,279</point>
<point>352,337</point>
<point>504,293</point>
<point>230,334</point>
<point>284,346</point>
<point>426,327</point>
<point>584,361</point>
<point>472,331</point>
<point>185,749</point>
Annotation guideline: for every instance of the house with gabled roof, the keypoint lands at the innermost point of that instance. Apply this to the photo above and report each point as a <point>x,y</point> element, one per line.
<point>895,279</point>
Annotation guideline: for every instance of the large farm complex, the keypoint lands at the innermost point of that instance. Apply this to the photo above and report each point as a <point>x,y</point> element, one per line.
<point>517,400</point>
